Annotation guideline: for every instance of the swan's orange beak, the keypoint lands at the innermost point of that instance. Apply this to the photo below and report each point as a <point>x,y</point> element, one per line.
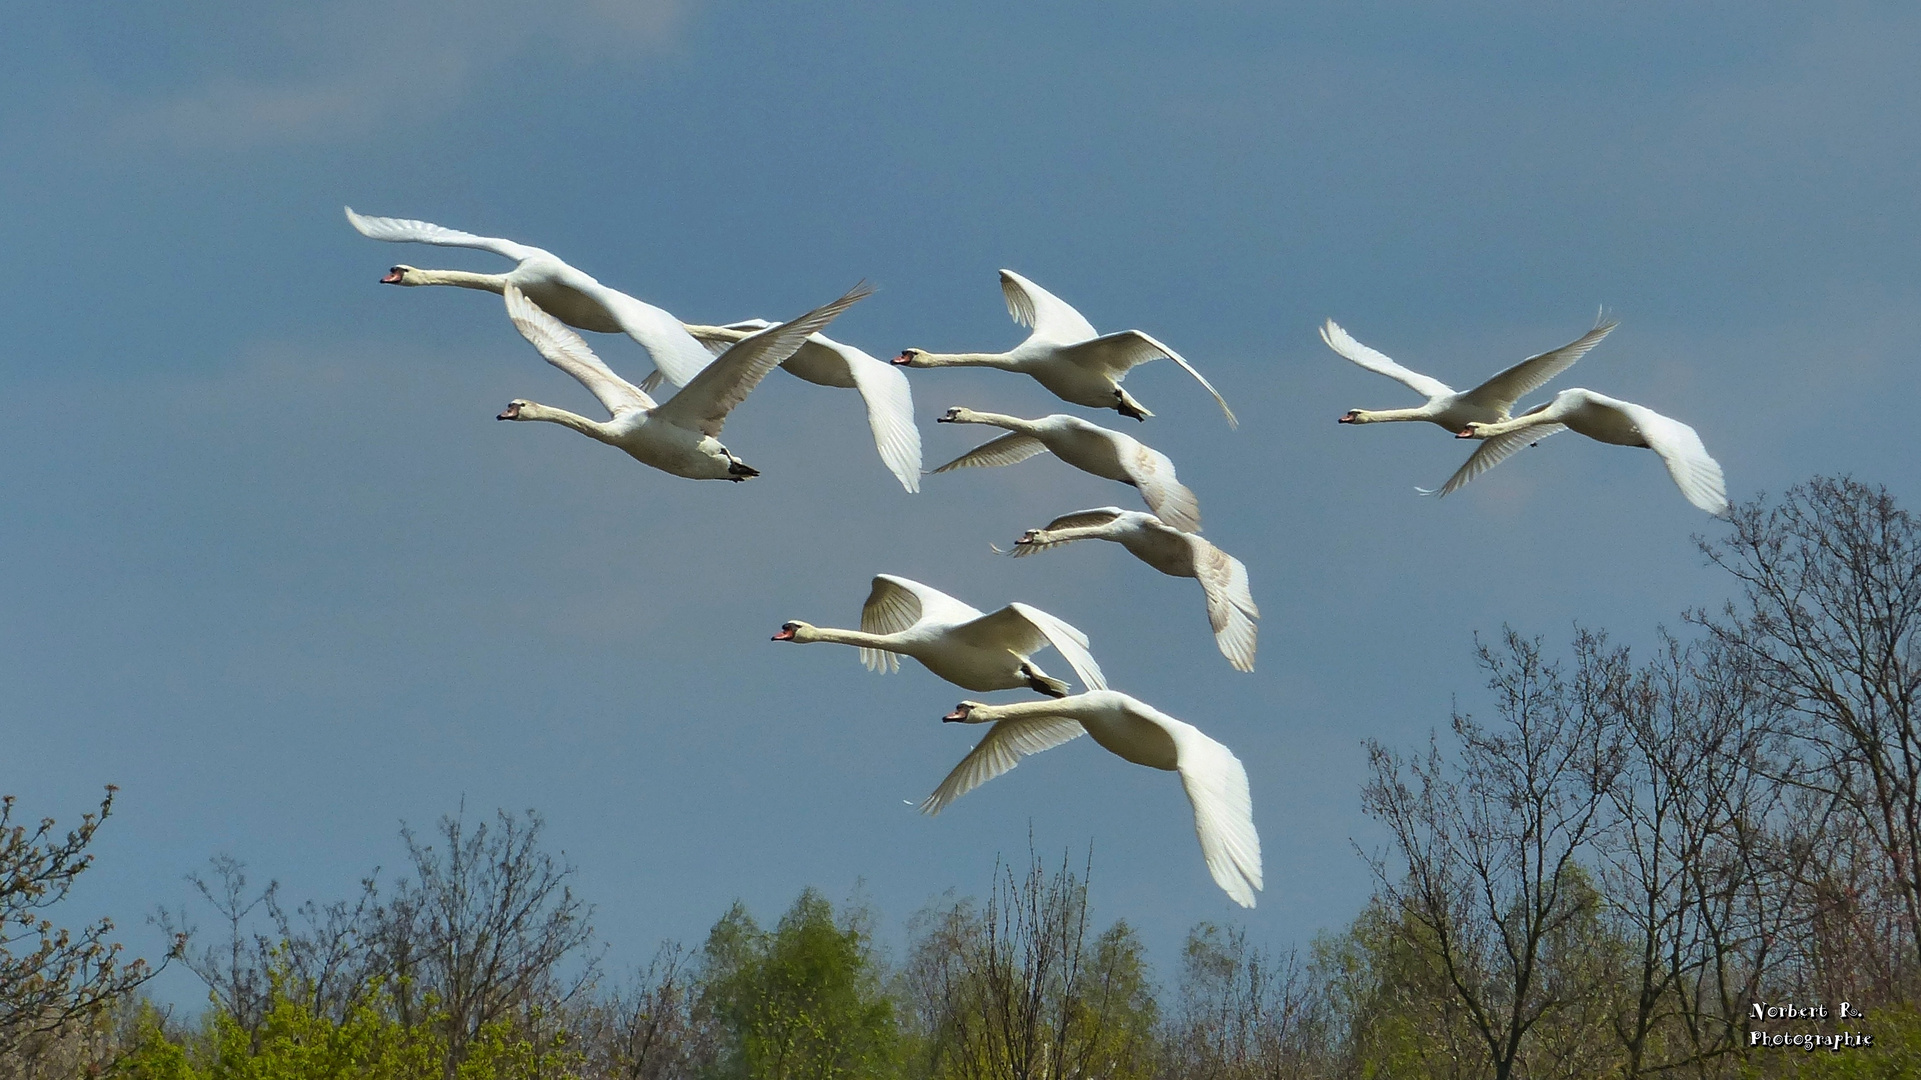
<point>784,634</point>
<point>959,714</point>
<point>1464,433</point>
<point>1346,418</point>
<point>511,412</point>
<point>902,359</point>
<point>393,277</point>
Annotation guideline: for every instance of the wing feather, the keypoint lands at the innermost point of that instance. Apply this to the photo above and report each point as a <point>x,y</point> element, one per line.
<point>1216,785</point>
<point>1005,744</point>
<point>1696,473</point>
<point>565,350</point>
<point>1171,500</point>
<point>1230,602</point>
<point>1053,319</point>
<point>1492,452</point>
<point>1503,390</point>
<point>410,231</point>
<point>1009,449</point>
<point>1341,342</point>
<point>890,413</point>
<point>705,401</point>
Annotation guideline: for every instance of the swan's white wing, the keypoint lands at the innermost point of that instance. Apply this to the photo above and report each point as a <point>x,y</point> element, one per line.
<point>1230,603</point>
<point>1025,630</point>
<point>896,604</point>
<point>1377,362</point>
<point>1171,501</point>
<point>1223,810</point>
<point>1009,449</point>
<point>1492,452</point>
<point>890,412</point>
<point>409,231</point>
<point>1163,350</point>
<point>565,350</point>
<point>703,404</point>
<point>677,354</point>
<point>1005,744</point>
<point>1503,390</point>
<point>1052,318</point>
<point>1695,473</point>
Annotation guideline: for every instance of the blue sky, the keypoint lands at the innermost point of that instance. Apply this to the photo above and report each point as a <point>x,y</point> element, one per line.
<point>275,570</point>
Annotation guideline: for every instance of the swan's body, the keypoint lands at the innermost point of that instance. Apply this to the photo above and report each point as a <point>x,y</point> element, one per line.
<point>1230,603</point>
<point>682,435</point>
<point>1089,448</point>
<point>568,294</point>
<point>1487,403</point>
<point>956,641</point>
<point>1066,354</point>
<point>1215,782</point>
<point>825,362</point>
<point>1608,420</point>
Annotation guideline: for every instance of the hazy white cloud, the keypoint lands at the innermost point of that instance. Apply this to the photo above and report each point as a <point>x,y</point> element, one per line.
<point>300,72</point>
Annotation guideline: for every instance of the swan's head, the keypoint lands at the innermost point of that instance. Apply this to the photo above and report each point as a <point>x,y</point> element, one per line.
<point>797,631</point>
<point>512,411</point>
<point>911,358</point>
<point>956,415</point>
<point>1474,430</point>
<point>403,275</point>
<point>1031,541</point>
<point>964,714</point>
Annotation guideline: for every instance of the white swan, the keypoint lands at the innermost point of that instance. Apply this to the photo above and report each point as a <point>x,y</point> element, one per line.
<point>680,436</point>
<point>1487,403</point>
<point>570,295</point>
<point>956,641</point>
<point>1608,420</point>
<point>825,362</point>
<point>1215,782</point>
<point>1066,355</point>
<point>1230,603</point>
<point>1089,448</point>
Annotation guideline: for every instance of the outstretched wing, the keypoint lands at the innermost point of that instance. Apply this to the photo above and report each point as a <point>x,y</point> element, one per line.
<point>1230,603</point>
<point>1503,390</point>
<point>1053,319</point>
<point>1116,354</point>
<point>1695,473</point>
<point>1153,475</point>
<point>1492,452</point>
<point>890,412</point>
<point>1006,743</point>
<point>1223,811</point>
<point>1025,630</point>
<point>677,355</point>
<point>565,350</point>
<point>1377,362</point>
<point>410,231</point>
<point>707,399</point>
<point>897,603</point>
<point>1009,449</point>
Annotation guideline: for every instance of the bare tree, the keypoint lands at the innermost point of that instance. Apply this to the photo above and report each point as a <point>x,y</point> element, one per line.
<point>647,1030</point>
<point>1488,870</point>
<point>1829,626</point>
<point>1243,1013</point>
<point>52,977</point>
<point>1018,991</point>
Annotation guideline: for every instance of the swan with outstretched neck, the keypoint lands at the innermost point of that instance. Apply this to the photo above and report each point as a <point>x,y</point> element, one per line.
<point>1066,354</point>
<point>681,436</point>
<point>1608,420</point>
<point>1487,403</point>
<point>1230,603</point>
<point>1088,447</point>
<point>573,296</point>
<point>956,641</point>
<point>1215,782</point>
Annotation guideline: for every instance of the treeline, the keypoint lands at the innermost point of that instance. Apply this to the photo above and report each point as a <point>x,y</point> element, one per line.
<point>1601,874</point>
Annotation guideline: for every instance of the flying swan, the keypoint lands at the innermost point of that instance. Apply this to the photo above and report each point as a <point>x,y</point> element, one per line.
<point>1230,604</point>
<point>1608,420</point>
<point>681,436</point>
<point>570,295</point>
<point>1066,355</point>
<point>1487,403</point>
<point>955,641</point>
<point>1088,447</point>
<point>1216,783</point>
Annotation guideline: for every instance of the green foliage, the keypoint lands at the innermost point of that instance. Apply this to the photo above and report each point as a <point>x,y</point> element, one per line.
<point>804,1000</point>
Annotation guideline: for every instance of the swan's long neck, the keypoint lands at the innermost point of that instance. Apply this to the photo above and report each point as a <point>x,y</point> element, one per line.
<point>1550,415</point>
<point>999,420</point>
<point>1380,416</point>
<point>486,282</point>
<point>593,429</point>
<point>1109,531</point>
<point>1070,707</point>
<point>857,638</point>
<point>1004,361</point>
